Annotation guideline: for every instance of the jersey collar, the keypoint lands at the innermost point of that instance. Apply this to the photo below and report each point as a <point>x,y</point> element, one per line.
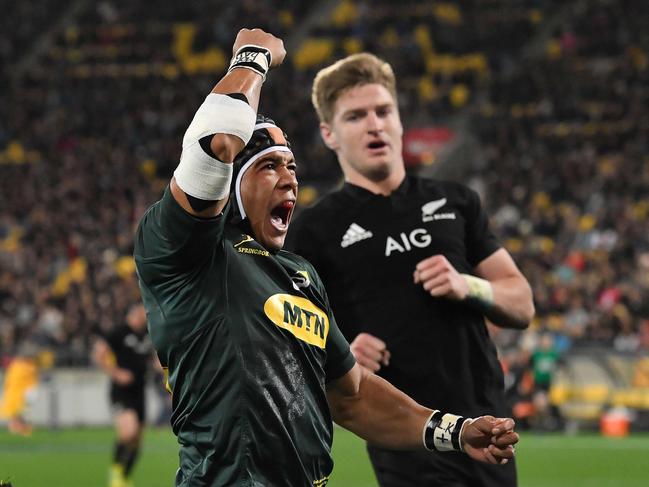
<point>362,194</point>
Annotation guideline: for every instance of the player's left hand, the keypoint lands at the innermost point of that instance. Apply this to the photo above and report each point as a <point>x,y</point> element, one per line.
<point>490,440</point>
<point>440,279</point>
<point>370,351</point>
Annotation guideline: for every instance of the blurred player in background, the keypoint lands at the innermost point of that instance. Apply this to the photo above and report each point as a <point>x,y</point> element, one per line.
<point>257,366</point>
<point>19,389</point>
<point>412,270</point>
<point>125,354</point>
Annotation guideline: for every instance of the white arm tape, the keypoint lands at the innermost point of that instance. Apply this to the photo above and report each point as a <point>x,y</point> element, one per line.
<point>443,432</point>
<point>199,174</point>
<point>221,114</point>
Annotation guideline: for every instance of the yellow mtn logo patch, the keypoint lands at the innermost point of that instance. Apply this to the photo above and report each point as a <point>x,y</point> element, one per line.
<point>300,316</point>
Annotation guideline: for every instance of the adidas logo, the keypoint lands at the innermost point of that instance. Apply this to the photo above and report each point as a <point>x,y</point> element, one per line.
<point>355,233</point>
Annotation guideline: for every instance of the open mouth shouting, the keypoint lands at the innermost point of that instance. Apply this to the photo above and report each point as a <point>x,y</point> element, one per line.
<point>280,216</point>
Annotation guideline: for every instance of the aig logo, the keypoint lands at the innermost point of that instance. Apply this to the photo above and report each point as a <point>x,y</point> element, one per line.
<point>419,238</point>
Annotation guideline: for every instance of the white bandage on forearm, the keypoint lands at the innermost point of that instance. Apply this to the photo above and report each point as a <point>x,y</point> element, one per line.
<point>480,290</point>
<point>199,174</point>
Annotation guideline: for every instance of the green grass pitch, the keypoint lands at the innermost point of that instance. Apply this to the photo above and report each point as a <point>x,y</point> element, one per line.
<point>80,457</point>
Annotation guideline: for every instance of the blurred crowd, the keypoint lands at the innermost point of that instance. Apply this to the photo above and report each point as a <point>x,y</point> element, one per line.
<point>565,171</point>
<point>84,149</point>
<point>557,95</point>
<point>565,139</point>
<point>21,24</point>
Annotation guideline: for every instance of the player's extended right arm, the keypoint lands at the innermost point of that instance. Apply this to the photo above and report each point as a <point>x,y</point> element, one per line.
<point>378,412</point>
<point>201,182</point>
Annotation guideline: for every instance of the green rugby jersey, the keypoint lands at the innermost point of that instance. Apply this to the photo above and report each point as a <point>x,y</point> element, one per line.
<point>249,341</point>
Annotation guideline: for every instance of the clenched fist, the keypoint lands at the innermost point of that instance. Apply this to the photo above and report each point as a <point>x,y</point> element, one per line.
<point>260,38</point>
<point>490,440</point>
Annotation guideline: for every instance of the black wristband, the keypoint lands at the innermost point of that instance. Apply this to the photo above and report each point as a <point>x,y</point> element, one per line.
<point>429,430</point>
<point>442,432</point>
<point>252,57</point>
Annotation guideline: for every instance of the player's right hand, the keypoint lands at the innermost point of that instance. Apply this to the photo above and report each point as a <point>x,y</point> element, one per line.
<point>260,38</point>
<point>440,279</point>
<point>490,440</point>
<point>370,351</point>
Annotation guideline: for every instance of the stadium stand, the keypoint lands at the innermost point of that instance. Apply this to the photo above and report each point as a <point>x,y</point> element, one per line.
<point>564,134</point>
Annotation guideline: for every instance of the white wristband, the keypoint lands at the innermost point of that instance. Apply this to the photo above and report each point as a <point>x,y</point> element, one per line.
<point>443,432</point>
<point>480,290</point>
<point>252,57</point>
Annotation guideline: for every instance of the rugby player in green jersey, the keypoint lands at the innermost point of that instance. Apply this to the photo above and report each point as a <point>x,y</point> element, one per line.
<point>257,367</point>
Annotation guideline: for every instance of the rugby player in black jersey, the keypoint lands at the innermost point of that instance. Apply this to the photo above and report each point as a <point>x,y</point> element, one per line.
<point>256,364</point>
<point>124,354</point>
<point>411,269</point>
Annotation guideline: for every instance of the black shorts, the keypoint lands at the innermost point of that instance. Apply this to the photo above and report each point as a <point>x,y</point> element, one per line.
<point>430,469</point>
<point>128,398</point>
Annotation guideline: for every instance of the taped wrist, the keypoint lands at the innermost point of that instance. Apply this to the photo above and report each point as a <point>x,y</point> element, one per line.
<point>200,174</point>
<point>252,57</point>
<point>480,290</point>
<point>442,432</point>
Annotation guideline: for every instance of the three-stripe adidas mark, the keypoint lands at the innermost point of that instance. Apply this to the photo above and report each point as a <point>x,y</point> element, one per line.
<point>355,233</point>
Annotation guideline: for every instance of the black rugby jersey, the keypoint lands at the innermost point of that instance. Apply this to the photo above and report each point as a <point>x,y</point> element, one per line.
<point>132,350</point>
<point>249,341</point>
<point>366,246</point>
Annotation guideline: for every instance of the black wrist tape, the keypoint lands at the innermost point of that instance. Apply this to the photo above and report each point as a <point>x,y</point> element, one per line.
<point>252,57</point>
<point>442,432</point>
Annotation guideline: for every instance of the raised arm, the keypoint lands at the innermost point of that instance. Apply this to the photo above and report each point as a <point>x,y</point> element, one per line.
<point>223,125</point>
<point>371,407</point>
